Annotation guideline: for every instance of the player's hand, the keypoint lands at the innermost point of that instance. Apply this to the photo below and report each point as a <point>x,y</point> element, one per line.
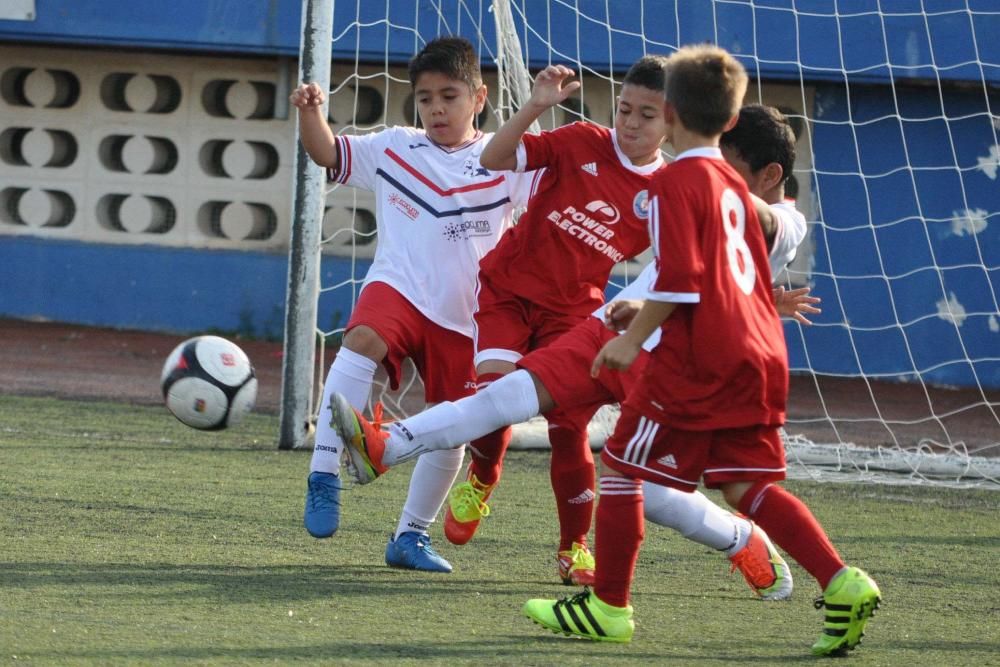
<point>617,354</point>
<point>618,314</point>
<point>307,96</point>
<point>796,303</point>
<point>551,87</point>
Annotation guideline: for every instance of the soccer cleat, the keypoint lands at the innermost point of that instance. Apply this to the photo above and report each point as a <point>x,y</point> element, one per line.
<point>850,600</point>
<point>413,551</point>
<point>364,441</point>
<point>583,615</point>
<point>763,567</point>
<point>322,515</point>
<point>466,506</point>
<point>576,565</point>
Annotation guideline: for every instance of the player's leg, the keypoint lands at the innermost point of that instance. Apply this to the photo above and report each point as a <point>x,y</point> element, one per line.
<point>501,336</point>
<point>605,614</point>
<point>410,545</point>
<point>351,376</point>
<point>849,594</point>
<point>572,475</point>
<point>513,399</point>
<point>745,544</point>
<point>443,359</point>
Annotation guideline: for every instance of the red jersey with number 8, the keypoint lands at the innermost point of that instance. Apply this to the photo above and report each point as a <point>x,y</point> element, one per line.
<point>722,361</point>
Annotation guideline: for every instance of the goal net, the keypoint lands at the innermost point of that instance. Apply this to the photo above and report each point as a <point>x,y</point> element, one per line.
<point>896,109</point>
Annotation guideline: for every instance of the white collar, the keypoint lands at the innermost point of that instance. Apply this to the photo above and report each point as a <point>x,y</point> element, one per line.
<point>703,151</point>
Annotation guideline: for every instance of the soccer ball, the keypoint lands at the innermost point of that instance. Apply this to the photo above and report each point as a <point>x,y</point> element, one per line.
<point>208,383</point>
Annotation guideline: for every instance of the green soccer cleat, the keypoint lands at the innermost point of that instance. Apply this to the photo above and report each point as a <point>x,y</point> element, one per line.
<point>583,615</point>
<point>850,600</point>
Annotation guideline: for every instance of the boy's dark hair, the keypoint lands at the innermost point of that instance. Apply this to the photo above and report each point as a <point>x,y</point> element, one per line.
<point>705,85</point>
<point>762,136</point>
<point>454,57</point>
<point>648,72</point>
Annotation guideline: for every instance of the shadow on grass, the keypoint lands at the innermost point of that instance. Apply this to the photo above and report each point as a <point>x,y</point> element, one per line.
<point>242,584</point>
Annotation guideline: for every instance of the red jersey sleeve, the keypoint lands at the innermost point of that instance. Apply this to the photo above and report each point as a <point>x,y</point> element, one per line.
<point>673,230</point>
<point>546,149</point>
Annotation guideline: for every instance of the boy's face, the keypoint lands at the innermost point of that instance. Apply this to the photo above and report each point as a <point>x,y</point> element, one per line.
<point>447,108</point>
<point>639,123</point>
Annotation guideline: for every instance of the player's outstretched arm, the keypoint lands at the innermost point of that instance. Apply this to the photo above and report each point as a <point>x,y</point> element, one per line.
<point>316,136</point>
<point>796,303</point>
<point>550,89</point>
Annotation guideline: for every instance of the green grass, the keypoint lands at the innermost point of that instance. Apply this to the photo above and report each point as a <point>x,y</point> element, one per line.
<point>127,538</point>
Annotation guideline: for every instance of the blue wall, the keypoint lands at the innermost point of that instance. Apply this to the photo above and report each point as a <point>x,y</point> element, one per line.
<point>154,288</point>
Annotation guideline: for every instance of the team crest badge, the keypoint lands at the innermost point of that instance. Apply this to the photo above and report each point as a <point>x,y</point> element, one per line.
<point>640,205</point>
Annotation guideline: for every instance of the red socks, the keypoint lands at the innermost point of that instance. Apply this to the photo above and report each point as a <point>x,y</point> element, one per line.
<point>572,475</point>
<point>620,531</point>
<point>793,528</point>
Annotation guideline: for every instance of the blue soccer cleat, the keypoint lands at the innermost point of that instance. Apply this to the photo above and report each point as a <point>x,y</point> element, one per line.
<point>322,515</point>
<point>413,551</point>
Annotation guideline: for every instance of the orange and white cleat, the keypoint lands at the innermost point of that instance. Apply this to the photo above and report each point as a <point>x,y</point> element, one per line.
<point>763,567</point>
<point>364,441</point>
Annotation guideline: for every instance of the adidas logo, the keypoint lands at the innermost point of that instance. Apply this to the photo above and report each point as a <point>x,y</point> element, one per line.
<point>668,461</point>
<point>590,168</point>
<point>585,497</point>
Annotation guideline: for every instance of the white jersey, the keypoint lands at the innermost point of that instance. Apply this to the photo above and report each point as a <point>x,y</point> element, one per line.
<point>438,212</point>
<point>791,225</point>
<point>789,235</point>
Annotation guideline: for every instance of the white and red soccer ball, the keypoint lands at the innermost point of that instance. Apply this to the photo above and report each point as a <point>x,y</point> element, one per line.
<point>209,383</point>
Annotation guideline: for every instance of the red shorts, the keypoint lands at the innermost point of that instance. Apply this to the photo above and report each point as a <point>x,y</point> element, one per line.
<point>563,367</point>
<point>645,449</point>
<point>507,327</point>
<point>443,357</point>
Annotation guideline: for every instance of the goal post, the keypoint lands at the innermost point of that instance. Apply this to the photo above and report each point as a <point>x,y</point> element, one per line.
<point>308,188</point>
<point>896,109</point>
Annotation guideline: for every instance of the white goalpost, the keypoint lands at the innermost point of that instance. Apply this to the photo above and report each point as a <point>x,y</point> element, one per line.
<point>896,108</point>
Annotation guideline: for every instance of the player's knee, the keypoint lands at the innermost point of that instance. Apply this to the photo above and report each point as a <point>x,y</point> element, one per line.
<point>733,492</point>
<point>365,341</point>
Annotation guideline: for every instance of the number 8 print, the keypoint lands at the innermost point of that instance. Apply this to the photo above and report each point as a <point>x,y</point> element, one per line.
<point>734,217</point>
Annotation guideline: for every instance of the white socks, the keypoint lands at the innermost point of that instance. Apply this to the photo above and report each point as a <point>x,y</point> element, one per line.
<point>510,400</point>
<point>351,374</point>
<point>430,482</point>
<point>695,517</point>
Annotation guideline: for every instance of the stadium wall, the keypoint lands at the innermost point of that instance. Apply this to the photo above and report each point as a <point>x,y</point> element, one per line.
<point>145,161</point>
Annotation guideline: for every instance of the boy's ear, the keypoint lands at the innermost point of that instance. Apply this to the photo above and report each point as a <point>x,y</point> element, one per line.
<point>732,123</point>
<point>480,96</point>
<point>771,175</point>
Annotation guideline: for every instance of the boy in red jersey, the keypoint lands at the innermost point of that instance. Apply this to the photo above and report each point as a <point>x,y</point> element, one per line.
<point>438,213</point>
<point>762,149</point>
<point>711,398</point>
<point>549,273</point>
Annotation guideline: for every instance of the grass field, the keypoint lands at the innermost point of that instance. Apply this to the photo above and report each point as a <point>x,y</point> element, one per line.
<point>127,538</point>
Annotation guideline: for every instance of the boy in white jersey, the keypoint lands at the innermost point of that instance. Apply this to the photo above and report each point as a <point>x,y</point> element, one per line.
<point>559,375</point>
<point>438,213</point>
